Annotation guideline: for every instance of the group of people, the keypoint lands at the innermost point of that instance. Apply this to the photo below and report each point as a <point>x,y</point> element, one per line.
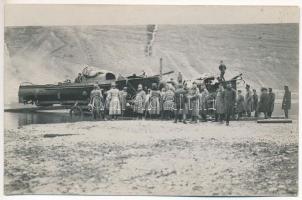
<point>251,103</point>
<point>183,103</point>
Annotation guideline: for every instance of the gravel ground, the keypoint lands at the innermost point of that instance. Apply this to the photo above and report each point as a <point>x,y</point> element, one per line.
<point>152,158</point>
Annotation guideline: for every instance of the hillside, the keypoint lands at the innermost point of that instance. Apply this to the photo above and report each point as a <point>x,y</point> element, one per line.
<point>267,55</point>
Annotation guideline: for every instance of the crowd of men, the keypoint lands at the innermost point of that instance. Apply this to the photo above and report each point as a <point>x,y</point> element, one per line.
<point>182,103</point>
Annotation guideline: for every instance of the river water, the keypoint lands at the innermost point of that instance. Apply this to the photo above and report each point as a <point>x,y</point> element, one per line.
<point>16,120</point>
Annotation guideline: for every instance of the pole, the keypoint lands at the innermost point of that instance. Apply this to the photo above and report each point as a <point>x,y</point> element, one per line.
<point>160,68</point>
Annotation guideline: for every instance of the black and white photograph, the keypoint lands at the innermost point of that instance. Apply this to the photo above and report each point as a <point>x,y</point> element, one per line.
<point>152,108</point>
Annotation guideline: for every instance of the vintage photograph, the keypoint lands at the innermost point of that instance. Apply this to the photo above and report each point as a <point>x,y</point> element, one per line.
<point>152,109</point>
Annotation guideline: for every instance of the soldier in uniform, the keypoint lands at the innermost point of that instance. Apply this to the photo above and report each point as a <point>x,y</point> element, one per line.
<point>229,101</point>
<point>255,102</point>
<point>139,102</point>
<point>240,104</point>
<point>180,102</point>
<point>248,101</point>
<point>193,98</point>
<point>203,103</point>
<point>271,102</point>
<point>263,102</point>
<point>79,79</point>
<point>179,78</point>
<point>286,102</point>
<point>219,104</point>
<point>222,69</point>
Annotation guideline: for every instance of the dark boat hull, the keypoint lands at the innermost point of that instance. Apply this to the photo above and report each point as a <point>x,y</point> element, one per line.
<point>70,93</point>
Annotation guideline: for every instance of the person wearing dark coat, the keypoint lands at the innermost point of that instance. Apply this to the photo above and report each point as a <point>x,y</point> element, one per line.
<point>240,104</point>
<point>222,69</point>
<point>286,102</point>
<point>180,97</point>
<point>229,101</point>
<point>263,102</point>
<point>255,102</point>
<point>271,102</point>
<point>219,104</point>
<point>248,101</point>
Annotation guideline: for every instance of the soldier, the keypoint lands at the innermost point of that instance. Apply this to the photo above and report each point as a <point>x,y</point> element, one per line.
<point>263,102</point>
<point>180,101</point>
<point>79,79</point>
<point>114,101</point>
<point>271,102</point>
<point>139,102</point>
<point>193,98</point>
<point>255,102</point>
<point>222,69</point>
<point>286,102</point>
<point>219,104</point>
<point>203,103</point>
<point>123,100</point>
<point>248,101</point>
<point>229,101</point>
<point>240,104</point>
<point>179,78</point>
<point>154,105</point>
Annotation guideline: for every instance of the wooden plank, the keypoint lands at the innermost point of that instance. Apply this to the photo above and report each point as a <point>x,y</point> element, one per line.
<point>274,121</point>
<point>33,109</point>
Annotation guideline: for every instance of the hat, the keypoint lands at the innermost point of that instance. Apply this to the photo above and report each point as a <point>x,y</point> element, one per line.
<point>263,89</point>
<point>125,88</point>
<point>154,86</point>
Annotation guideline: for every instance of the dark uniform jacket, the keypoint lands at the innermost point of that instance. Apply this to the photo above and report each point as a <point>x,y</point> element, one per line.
<point>263,103</point>
<point>271,102</point>
<point>229,99</point>
<point>286,103</point>
<point>180,98</point>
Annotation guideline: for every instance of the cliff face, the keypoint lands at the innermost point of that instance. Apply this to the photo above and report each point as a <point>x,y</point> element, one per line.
<point>267,55</point>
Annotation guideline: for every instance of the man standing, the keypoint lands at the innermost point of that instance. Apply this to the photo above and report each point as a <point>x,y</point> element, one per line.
<point>255,102</point>
<point>180,101</point>
<point>193,98</point>
<point>271,102</point>
<point>229,100</point>
<point>222,69</point>
<point>240,104</point>
<point>203,103</point>
<point>179,78</point>
<point>286,102</point>
<point>219,104</point>
<point>79,79</point>
<point>248,101</point>
<point>263,102</point>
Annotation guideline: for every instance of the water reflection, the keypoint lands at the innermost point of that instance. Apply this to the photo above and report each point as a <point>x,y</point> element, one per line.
<point>16,120</point>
